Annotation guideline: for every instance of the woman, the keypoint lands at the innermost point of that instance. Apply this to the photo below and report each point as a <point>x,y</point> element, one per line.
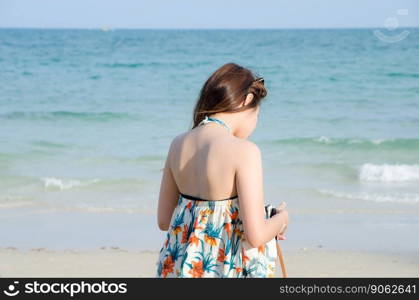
<point>211,195</point>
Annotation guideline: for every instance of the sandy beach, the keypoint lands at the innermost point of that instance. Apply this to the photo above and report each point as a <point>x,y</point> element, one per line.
<point>88,116</point>
<point>116,262</point>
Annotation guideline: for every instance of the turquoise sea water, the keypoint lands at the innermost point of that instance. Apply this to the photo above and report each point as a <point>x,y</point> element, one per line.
<point>86,118</point>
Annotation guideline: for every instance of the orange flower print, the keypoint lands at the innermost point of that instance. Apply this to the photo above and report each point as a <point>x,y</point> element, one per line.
<point>168,265</point>
<point>227,227</point>
<point>207,240</point>
<point>197,269</point>
<point>245,258</point>
<point>176,230</point>
<point>202,219</point>
<point>221,255</point>
<point>189,205</point>
<point>210,240</point>
<point>238,232</point>
<point>185,234</point>
<point>229,204</point>
<point>204,215</point>
<point>194,240</point>
<point>195,224</point>
<point>234,215</point>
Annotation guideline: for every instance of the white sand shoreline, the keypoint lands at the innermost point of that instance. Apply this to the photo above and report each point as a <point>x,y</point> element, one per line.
<point>117,262</point>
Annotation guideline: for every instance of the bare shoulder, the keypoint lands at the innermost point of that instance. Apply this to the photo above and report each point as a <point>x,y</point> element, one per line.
<point>177,140</point>
<point>248,148</point>
<point>246,151</point>
<point>176,143</point>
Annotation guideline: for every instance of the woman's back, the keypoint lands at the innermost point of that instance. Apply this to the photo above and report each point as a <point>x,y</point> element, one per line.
<point>203,162</point>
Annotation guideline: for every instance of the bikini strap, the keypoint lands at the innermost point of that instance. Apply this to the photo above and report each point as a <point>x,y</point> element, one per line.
<point>210,119</point>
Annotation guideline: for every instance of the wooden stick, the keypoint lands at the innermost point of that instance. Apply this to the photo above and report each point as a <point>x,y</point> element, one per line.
<point>281,260</point>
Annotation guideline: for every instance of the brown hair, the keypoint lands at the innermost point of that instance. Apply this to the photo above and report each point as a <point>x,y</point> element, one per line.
<point>226,89</point>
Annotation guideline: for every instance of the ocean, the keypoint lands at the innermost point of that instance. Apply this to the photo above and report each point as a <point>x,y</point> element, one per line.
<point>86,118</point>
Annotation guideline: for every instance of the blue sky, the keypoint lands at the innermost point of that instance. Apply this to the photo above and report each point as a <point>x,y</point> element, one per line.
<point>206,14</point>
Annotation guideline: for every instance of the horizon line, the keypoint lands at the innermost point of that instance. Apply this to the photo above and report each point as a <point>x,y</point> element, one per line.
<point>108,28</point>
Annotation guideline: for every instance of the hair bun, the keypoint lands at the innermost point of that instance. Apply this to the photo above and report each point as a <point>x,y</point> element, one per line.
<point>257,88</point>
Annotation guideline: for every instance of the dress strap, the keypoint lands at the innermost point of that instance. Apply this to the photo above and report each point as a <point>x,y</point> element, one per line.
<point>215,120</point>
<point>200,199</point>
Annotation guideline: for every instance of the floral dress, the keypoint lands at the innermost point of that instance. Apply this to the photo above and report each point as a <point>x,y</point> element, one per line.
<point>206,239</point>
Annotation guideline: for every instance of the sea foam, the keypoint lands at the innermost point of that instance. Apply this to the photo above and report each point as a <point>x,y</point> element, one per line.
<point>389,173</point>
<point>407,198</point>
<point>12,201</point>
<point>62,184</point>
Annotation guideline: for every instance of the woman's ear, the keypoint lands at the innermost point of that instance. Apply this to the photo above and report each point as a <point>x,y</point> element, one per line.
<point>249,98</point>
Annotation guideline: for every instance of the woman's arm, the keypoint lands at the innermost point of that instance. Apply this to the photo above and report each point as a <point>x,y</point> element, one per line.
<point>169,195</point>
<point>249,181</point>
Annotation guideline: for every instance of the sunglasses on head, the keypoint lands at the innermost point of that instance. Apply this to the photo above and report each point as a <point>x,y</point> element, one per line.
<point>260,79</point>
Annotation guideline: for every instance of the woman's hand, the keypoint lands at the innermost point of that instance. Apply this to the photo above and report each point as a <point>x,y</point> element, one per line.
<point>284,214</point>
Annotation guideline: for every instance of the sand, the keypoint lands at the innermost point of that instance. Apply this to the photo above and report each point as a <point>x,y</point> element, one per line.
<point>116,262</point>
